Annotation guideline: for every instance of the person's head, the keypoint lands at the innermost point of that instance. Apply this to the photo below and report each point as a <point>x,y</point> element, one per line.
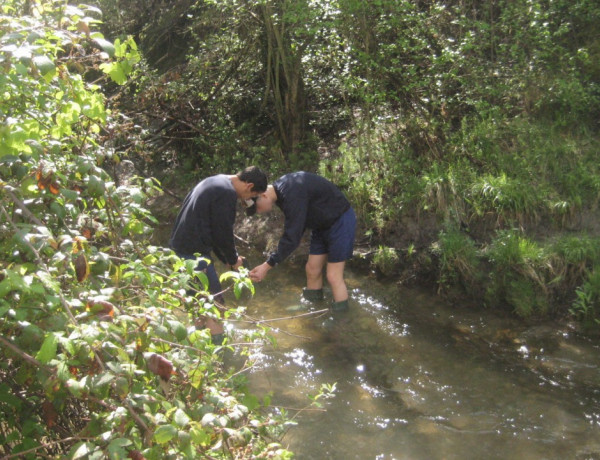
<point>263,202</point>
<point>252,182</point>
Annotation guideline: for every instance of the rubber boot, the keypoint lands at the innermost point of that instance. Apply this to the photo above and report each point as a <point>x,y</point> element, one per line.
<point>312,295</point>
<point>342,305</point>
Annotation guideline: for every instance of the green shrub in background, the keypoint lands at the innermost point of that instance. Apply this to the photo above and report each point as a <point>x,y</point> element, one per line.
<point>509,201</point>
<point>378,176</point>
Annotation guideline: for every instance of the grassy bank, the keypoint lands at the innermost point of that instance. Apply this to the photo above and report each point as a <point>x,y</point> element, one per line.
<point>506,212</point>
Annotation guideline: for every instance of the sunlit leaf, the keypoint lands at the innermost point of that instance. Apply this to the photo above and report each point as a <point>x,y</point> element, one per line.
<point>165,433</point>
<point>181,418</point>
<point>45,65</point>
<point>48,349</point>
<point>105,46</point>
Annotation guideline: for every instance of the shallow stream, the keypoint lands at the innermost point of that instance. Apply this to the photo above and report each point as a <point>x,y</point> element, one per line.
<point>418,378</point>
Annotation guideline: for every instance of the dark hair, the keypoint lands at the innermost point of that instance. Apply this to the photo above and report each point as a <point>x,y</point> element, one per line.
<point>254,175</point>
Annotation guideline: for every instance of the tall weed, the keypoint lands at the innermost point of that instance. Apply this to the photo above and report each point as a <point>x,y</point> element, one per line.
<point>572,257</point>
<point>586,306</point>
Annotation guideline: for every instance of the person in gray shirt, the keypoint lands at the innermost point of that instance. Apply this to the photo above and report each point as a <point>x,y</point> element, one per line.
<point>205,222</point>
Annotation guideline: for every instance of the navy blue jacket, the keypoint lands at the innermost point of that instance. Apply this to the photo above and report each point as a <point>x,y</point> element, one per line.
<point>205,221</point>
<point>307,201</point>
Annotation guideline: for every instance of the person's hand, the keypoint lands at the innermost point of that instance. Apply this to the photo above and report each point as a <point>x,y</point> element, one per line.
<point>239,263</point>
<point>258,273</point>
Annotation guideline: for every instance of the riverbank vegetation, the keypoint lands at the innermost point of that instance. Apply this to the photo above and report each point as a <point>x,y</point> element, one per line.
<point>464,133</point>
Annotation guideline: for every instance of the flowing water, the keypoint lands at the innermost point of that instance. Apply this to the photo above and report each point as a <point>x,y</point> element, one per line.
<point>417,378</point>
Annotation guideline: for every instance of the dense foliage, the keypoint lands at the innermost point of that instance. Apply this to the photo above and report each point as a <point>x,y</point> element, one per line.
<point>455,127</point>
<point>465,134</point>
<point>102,356</point>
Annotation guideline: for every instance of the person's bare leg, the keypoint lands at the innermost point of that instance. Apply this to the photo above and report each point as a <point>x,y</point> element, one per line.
<point>335,278</point>
<point>314,271</point>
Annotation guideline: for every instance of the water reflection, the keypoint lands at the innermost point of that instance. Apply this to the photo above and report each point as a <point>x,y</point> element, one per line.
<point>419,379</point>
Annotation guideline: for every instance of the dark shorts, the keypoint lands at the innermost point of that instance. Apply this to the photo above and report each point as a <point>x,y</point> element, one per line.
<point>337,241</point>
<point>208,267</point>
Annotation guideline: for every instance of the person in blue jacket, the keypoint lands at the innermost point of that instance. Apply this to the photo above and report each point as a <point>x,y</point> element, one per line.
<point>311,201</point>
<point>205,222</point>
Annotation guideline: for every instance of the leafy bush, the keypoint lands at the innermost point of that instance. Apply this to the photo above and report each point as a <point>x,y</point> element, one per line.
<point>586,306</point>
<point>573,257</point>
<point>386,260</point>
<point>518,273</point>
<point>101,355</point>
<point>458,260</point>
<point>510,200</point>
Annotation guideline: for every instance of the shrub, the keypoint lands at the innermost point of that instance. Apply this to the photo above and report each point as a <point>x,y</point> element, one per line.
<point>458,260</point>
<point>518,273</point>
<point>101,356</point>
<point>586,306</point>
<point>386,260</point>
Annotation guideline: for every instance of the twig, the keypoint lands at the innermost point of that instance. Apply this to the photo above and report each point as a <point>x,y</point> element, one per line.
<point>259,321</point>
<point>30,359</point>
<point>44,446</point>
<point>23,208</point>
<point>304,409</point>
<point>178,345</point>
<point>242,240</point>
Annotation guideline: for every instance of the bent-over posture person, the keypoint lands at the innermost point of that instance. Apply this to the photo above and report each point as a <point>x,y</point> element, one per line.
<point>205,224</point>
<point>311,201</point>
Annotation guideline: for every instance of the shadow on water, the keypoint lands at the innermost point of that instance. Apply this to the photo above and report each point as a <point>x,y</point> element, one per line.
<point>420,379</point>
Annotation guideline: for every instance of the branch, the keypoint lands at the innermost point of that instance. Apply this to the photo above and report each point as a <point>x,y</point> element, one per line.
<point>30,359</point>
<point>23,208</point>
<point>134,414</point>
<point>39,260</point>
<point>259,321</point>
<point>44,446</point>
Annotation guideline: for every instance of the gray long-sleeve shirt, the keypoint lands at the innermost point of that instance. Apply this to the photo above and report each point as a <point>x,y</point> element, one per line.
<point>307,201</point>
<point>205,221</point>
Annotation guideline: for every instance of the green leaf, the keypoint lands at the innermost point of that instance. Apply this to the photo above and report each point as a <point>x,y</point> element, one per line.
<point>165,433</point>
<point>105,379</point>
<point>228,275</point>
<point>199,436</point>
<point>45,65</point>
<point>115,448</point>
<point>105,46</point>
<point>251,402</point>
<point>181,418</point>
<point>178,329</point>
<point>115,71</point>
<point>7,397</point>
<point>82,450</point>
<point>48,350</point>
